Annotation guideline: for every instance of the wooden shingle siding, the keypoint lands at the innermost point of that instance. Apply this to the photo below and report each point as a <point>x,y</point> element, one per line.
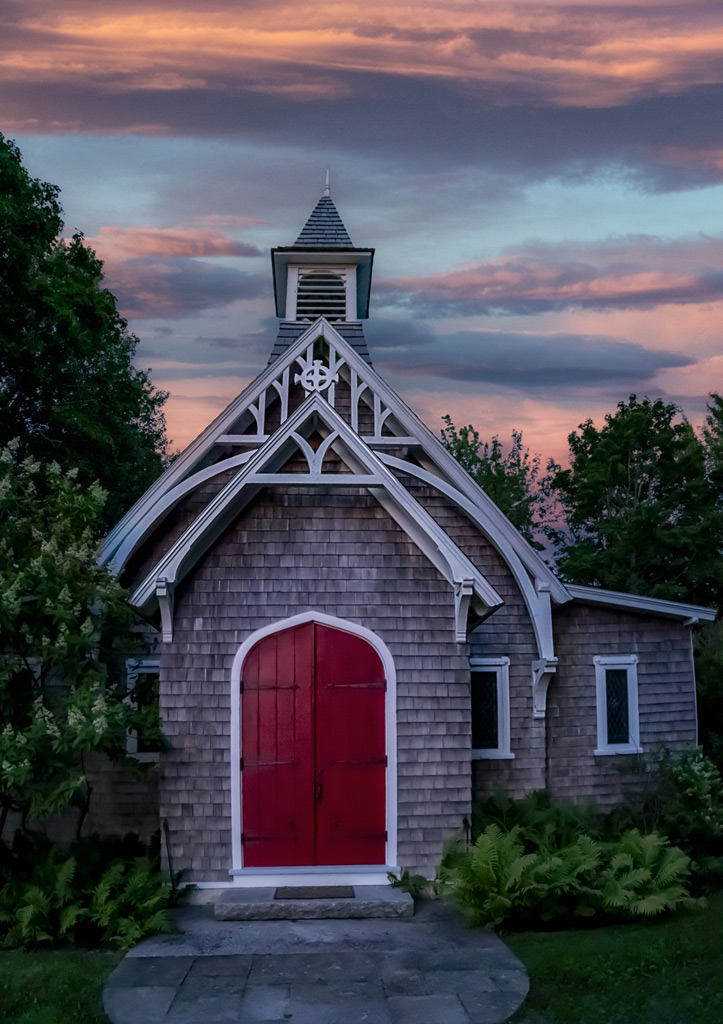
<point>666,686</point>
<point>339,553</point>
<point>507,633</point>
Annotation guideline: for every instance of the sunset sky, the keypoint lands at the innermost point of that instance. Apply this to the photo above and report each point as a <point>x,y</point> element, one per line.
<point>543,183</point>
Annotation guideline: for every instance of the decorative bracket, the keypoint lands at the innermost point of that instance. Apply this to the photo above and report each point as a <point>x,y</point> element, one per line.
<point>164,593</point>
<point>463,593</point>
<point>542,672</point>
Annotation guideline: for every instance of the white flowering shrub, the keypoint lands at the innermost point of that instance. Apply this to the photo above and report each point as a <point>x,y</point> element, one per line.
<point>57,609</point>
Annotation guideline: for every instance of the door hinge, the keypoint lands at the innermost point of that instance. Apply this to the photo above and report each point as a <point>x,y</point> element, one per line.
<point>243,838</point>
<point>241,685</point>
<point>386,837</point>
<point>241,764</point>
<point>386,761</point>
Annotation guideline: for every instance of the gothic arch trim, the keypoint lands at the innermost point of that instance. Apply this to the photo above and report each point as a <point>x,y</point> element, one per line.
<point>390,712</point>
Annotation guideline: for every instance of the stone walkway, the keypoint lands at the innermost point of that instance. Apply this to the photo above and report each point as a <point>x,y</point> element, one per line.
<point>427,969</point>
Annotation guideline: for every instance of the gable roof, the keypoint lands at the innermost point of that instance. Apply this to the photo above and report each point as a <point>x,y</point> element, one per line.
<point>471,590</point>
<point>324,229</point>
<point>536,581</point>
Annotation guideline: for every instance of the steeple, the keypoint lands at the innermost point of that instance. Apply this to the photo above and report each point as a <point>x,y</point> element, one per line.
<point>323,273</point>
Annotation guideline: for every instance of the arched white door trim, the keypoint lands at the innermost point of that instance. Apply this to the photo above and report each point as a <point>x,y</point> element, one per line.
<point>237,869</point>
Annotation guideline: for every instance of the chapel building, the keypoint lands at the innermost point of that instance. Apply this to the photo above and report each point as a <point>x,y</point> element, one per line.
<point>353,642</point>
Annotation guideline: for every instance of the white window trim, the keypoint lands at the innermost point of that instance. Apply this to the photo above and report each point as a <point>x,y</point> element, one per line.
<point>502,669</point>
<point>346,273</point>
<point>629,662</point>
<point>136,667</point>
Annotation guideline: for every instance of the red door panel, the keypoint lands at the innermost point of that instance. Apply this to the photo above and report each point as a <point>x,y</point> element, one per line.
<point>277,737</point>
<point>313,745</point>
<point>350,749</point>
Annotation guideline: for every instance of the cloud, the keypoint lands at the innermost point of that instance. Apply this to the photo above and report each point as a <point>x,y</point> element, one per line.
<point>579,54</point>
<point>150,287</point>
<point>518,359</point>
<point>534,91</point>
<point>641,272</point>
<point>144,240</point>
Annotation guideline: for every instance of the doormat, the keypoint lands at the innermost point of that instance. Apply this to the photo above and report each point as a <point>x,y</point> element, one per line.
<point>314,892</point>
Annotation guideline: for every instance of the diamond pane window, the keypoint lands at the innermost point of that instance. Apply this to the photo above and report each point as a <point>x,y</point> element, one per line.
<point>618,718</point>
<point>616,683</point>
<point>485,716</point>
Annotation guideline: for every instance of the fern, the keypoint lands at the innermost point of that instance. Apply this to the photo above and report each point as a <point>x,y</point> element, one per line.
<point>497,881</point>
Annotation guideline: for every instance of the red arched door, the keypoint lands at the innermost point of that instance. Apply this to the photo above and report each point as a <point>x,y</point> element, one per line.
<point>313,764</point>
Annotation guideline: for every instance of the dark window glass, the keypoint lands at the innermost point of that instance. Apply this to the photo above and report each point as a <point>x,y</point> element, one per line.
<point>485,726</point>
<point>616,684</point>
<point>145,697</point>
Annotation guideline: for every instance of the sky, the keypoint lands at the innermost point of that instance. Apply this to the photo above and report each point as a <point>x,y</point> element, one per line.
<point>542,183</point>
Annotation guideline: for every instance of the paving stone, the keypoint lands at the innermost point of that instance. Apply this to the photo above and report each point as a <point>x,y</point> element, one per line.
<point>490,1007</point>
<point>338,990</point>
<point>350,1012</point>
<point>131,1005</point>
<point>265,1002</point>
<point>442,1009</point>
<point>313,968</point>
<point>461,981</point>
<point>150,971</point>
<point>221,966</point>
<point>213,1009</point>
<point>401,980</point>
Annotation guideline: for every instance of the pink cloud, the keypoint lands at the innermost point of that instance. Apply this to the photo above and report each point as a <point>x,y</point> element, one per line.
<point>625,273</point>
<point>116,243</point>
<point>581,54</point>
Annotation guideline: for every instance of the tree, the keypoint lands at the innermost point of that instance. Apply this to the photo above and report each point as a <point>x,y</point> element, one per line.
<point>68,389</point>
<point>640,507</point>
<point>57,608</point>
<point>511,480</point>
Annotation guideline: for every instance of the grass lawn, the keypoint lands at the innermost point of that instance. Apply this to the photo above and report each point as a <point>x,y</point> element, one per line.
<point>658,972</point>
<point>53,986</point>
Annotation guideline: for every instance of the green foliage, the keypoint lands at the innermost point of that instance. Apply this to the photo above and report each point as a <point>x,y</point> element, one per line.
<point>130,903</point>
<point>57,607</point>
<point>504,879</point>
<point>68,389</point>
<point>691,813</point>
<point>645,876</point>
<point>87,895</point>
<point>708,646</point>
<point>641,510</point>
<point>416,885</point>
<point>511,480</point>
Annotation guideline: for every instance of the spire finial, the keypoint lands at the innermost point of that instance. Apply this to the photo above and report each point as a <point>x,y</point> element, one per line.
<point>327,186</point>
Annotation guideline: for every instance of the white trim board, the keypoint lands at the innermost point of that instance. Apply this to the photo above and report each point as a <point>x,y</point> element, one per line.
<point>390,712</point>
<point>634,602</point>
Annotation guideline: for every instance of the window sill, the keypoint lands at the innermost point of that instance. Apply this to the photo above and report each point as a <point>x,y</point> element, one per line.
<point>492,755</point>
<point>610,751</point>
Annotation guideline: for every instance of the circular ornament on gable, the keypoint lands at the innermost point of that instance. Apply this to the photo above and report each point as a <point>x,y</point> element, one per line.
<point>316,377</point>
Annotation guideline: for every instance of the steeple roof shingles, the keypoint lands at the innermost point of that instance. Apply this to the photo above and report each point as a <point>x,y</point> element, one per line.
<point>324,229</point>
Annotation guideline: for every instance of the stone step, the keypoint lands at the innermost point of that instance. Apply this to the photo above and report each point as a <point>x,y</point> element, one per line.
<point>281,904</point>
